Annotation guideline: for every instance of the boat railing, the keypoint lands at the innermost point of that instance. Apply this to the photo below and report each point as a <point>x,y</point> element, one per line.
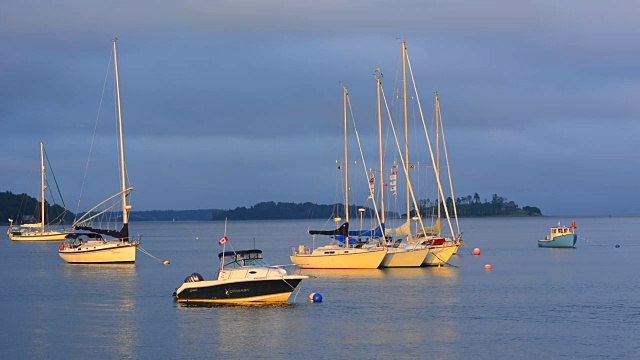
<point>300,250</point>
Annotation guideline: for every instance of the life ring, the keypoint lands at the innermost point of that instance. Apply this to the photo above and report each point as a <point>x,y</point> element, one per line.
<point>61,246</point>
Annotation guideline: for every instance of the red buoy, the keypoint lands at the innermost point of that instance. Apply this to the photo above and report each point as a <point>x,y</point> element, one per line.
<point>488,267</point>
<point>476,251</point>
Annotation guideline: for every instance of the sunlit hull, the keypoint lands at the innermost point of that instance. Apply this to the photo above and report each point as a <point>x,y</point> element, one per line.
<point>439,255</point>
<point>100,253</point>
<point>402,257</point>
<point>38,236</point>
<point>335,257</point>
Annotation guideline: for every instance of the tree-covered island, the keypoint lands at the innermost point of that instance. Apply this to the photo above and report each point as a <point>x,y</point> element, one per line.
<point>19,207</point>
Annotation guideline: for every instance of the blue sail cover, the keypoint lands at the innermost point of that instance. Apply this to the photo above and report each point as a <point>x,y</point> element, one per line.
<point>343,232</point>
<point>373,233</point>
<point>356,236</point>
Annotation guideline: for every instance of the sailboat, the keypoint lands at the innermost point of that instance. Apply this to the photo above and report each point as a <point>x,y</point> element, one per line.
<point>340,255</point>
<point>440,249</point>
<point>399,254</point>
<point>36,231</point>
<point>87,244</point>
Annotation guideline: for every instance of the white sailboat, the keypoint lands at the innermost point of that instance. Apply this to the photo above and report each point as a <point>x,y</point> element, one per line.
<point>337,255</point>
<point>440,249</point>
<point>37,231</point>
<point>88,245</point>
<point>399,254</point>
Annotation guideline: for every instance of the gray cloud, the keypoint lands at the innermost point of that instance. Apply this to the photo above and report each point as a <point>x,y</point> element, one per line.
<point>228,103</point>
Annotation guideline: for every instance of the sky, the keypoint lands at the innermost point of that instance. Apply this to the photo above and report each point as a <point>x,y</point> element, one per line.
<point>231,103</point>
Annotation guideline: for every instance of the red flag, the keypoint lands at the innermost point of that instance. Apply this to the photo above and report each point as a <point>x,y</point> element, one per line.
<point>223,240</point>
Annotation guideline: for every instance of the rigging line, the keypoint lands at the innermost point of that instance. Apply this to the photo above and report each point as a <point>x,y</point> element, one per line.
<point>446,156</point>
<point>93,136</point>
<point>54,179</point>
<point>364,164</point>
<point>404,165</point>
<point>433,161</point>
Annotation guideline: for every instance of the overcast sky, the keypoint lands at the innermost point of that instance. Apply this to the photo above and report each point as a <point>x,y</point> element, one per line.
<point>230,103</point>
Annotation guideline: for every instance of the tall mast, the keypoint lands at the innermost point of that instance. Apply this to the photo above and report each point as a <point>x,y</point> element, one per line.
<point>379,83</point>
<point>406,124</point>
<point>125,208</point>
<point>438,151</point>
<point>42,187</point>
<point>346,158</point>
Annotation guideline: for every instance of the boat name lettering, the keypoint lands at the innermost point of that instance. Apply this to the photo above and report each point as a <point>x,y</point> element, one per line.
<point>231,291</point>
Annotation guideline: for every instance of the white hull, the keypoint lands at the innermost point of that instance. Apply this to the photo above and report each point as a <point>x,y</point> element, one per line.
<point>335,257</point>
<point>39,236</point>
<point>402,257</point>
<point>439,255</point>
<point>95,252</point>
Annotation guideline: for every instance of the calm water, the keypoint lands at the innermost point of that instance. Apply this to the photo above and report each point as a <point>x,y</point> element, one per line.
<point>535,303</point>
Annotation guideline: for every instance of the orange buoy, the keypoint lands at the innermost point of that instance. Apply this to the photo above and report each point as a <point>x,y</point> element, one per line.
<point>488,267</point>
<point>476,251</point>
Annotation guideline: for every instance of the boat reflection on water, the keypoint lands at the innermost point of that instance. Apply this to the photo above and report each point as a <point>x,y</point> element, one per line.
<point>417,272</point>
<point>106,294</point>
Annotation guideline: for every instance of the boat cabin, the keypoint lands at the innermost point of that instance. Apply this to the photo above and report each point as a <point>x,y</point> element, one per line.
<point>559,231</point>
<point>242,258</point>
<point>77,239</point>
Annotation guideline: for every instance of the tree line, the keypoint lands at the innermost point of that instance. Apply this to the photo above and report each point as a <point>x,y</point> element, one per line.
<point>24,208</point>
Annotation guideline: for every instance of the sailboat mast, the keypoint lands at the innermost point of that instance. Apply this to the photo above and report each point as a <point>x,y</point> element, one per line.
<point>125,209</point>
<point>42,187</point>
<point>346,157</point>
<point>406,124</point>
<point>379,83</point>
<point>438,151</point>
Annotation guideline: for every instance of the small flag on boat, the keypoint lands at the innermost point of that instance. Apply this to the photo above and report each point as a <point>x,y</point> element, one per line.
<point>223,240</point>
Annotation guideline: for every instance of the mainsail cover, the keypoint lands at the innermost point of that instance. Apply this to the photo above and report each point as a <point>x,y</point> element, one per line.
<point>122,234</point>
<point>342,230</point>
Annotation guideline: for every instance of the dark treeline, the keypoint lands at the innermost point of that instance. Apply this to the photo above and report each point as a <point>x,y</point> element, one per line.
<point>14,206</point>
<point>468,206</point>
<point>283,210</point>
<point>22,208</point>
<point>172,215</point>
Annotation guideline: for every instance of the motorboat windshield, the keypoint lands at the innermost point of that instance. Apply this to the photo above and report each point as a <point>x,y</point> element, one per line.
<point>243,258</point>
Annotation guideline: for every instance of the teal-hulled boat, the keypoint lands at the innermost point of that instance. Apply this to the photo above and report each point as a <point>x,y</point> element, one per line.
<point>560,237</point>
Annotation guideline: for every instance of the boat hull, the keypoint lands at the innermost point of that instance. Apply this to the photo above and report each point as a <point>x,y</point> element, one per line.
<point>239,291</point>
<point>562,241</point>
<point>404,257</point>
<point>109,252</point>
<point>38,236</point>
<point>339,258</point>
<point>439,255</point>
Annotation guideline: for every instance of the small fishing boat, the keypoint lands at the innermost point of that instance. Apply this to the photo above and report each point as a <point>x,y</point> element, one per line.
<point>560,237</point>
<point>244,277</point>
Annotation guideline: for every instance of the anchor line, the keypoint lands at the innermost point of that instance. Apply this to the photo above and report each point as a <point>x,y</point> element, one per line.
<point>146,252</point>
<point>297,291</point>
<point>444,262</point>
